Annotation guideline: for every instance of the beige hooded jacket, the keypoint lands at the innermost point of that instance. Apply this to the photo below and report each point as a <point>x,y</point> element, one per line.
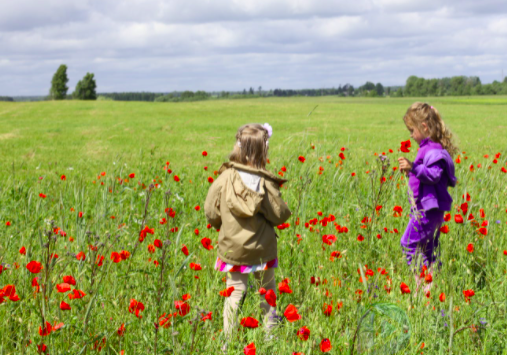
<point>246,218</point>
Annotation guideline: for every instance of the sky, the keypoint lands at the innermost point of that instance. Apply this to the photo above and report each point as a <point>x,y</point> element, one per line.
<point>231,45</point>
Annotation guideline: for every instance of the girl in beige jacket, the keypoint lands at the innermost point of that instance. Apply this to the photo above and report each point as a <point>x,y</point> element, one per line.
<point>245,203</point>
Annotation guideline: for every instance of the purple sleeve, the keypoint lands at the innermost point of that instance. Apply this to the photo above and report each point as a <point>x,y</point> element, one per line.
<point>429,175</point>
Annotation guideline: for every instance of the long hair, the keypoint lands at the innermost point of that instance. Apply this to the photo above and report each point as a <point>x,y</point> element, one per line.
<point>420,112</point>
<point>251,146</point>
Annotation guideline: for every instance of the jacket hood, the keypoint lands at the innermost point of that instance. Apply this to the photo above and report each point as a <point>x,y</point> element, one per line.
<point>249,169</point>
<point>242,201</point>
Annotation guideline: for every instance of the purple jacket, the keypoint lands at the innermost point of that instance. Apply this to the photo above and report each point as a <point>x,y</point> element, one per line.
<point>431,174</point>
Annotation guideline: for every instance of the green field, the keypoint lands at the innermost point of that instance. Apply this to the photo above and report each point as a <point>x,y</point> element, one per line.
<point>96,145</point>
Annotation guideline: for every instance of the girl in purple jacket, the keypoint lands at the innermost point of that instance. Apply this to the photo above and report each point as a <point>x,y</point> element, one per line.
<point>429,176</point>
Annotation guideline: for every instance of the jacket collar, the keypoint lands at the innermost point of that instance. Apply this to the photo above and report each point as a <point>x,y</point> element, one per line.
<point>250,169</point>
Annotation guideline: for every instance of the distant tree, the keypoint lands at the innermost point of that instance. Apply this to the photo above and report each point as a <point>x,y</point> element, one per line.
<point>505,80</point>
<point>59,82</point>
<point>185,95</point>
<point>368,86</point>
<point>260,91</point>
<point>251,91</point>
<point>244,91</point>
<point>399,93</point>
<point>86,88</point>
<point>410,86</point>
<point>379,88</point>
<point>388,91</point>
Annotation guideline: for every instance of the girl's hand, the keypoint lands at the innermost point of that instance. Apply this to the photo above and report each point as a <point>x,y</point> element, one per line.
<point>405,164</point>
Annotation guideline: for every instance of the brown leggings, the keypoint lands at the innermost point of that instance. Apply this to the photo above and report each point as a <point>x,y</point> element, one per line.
<point>264,279</point>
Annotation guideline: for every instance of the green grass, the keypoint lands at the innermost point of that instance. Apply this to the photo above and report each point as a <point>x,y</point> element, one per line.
<point>40,142</point>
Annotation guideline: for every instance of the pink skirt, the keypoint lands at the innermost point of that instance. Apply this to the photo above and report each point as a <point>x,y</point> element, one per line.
<point>244,269</point>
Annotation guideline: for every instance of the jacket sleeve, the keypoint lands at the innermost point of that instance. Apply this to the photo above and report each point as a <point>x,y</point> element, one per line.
<point>273,207</point>
<point>212,204</point>
<point>431,174</point>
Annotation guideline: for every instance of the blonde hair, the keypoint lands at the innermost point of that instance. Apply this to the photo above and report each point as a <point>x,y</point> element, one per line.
<point>421,112</point>
<point>251,146</point>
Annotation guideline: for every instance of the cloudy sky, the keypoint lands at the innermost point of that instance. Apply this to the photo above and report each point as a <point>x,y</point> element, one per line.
<point>166,45</point>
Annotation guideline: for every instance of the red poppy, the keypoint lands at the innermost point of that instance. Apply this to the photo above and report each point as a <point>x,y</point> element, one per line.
<point>483,231</point>
<point>124,255</point>
<point>176,178</point>
<point>207,316</point>
<point>186,296</point>
<point>444,229</point>
<point>41,195</point>
<point>447,217</point>
<point>42,348</point>
<point>157,243</point>
<point>404,288</point>
<point>163,320</point>
<point>63,287</point>
<point>144,232</point>
<point>325,345</point>
<point>360,238</point>
<point>327,309</point>
<point>22,251</point>
<point>206,243</point>
<point>136,307</point>
<point>76,294</point>
<point>210,179</point>
<point>442,297</point>
<point>301,159</point>
<point>184,249</point>
<point>182,307</point>
<point>227,292</point>
<point>195,267</point>
<point>458,218</point>
<point>121,330</point>
<point>249,349</point>
<point>504,170</point>
<point>64,306</point>
<point>34,267</point>
<point>70,280</point>
<point>304,333</point>
<point>8,223</point>
<point>468,294</point>
<point>342,156</point>
<point>271,298</point>
<point>249,322</point>
<point>405,145</point>
<point>196,231</point>
<point>291,313</point>
<point>115,257</point>
<point>283,287</point>
<point>328,239</point>
<point>397,211</point>
<point>46,331</point>
<point>428,278</point>
<point>80,214</point>
<point>470,248</point>
<point>204,153</point>
<point>100,260</point>
<point>80,256</point>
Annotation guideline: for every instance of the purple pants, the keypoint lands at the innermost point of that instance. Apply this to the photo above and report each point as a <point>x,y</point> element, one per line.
<point>421,236</point>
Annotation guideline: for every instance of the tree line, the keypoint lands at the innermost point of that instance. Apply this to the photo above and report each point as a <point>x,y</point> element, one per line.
<point>414,87</point>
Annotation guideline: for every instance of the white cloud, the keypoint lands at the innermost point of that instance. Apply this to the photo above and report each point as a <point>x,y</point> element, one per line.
<point>156,45</point>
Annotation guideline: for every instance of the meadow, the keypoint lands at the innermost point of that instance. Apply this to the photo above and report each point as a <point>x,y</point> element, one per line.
<point>104,246</point>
